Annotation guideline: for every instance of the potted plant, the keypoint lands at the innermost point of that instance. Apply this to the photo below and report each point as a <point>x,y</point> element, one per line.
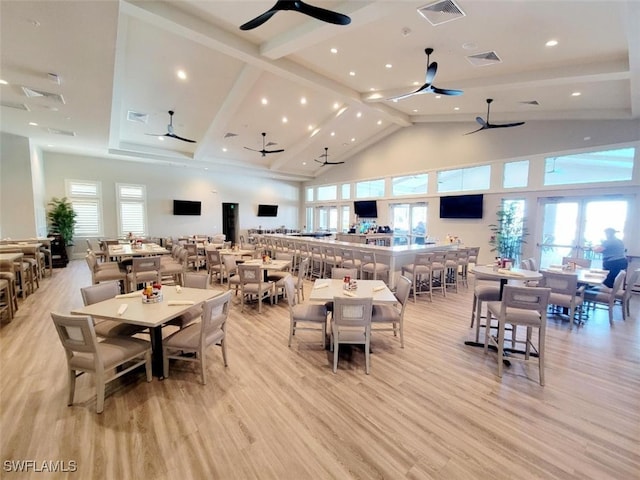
<point>508,233</point>
<point>62,221</point>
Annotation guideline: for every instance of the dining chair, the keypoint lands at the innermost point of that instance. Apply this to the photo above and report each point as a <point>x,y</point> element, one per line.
<point>351,323</point>
<point>304,313</point>
<point>94,246</point>
<point>350,259</point>
<point>198,337</point>
<point>565,292</point>
<point>107,328</point>
<point>174,269</point>
<point>484,290</point>
<point>214,265</point>
<point>7,272</point>
<point>339,273</point>
<point>608,297</point>
<point>252,284</point>
<point>390,313</point>
<point>526,306</point>
<point>191,280</point>
<point>6,303</point>
<point>624,296</point>
<point>105,271</point>
<point>144,269</point>
<point>101,358</point>
<point>472,254</point>
<point>303,274</point>
<point>231,272</point>
<point>193,255</point>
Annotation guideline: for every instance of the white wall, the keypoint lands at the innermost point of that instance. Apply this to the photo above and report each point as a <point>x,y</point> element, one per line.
<point>166,183</point>
<point>17,214</point>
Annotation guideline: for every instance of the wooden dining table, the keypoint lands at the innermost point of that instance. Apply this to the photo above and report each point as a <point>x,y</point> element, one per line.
<point>151,315</point>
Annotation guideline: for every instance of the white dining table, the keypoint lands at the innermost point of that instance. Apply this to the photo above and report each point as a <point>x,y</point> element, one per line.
<point>151,315</point>
<point>145,249</point>
<point>324,290</point>
<point>586,276</point>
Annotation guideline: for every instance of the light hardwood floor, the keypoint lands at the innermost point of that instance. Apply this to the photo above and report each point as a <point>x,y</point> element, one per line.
<point>433,410</point>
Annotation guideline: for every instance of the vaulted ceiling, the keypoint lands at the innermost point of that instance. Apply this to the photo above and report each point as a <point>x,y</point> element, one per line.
<point>97,77</point>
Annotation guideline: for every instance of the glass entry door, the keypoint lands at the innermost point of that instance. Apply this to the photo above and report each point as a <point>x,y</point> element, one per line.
<point>409,222</point>
<point>572,227</point>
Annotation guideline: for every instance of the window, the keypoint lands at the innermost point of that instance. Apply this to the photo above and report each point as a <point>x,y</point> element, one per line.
<point>309,219</point>
<point>327,219</point>
<point>464,179</point>
<point>345,218</point>
<point>86,198</point>
<point>346,191</point>
<point>370,188</point>
<point>409,185</point>
<point>132,209</point>
<point>590,167</point>
<point>328,192</point>
<point>309,194</point>
<point>516,174</point>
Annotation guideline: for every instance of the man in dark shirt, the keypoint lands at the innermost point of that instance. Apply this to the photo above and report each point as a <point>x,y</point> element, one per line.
<point>613,256</point>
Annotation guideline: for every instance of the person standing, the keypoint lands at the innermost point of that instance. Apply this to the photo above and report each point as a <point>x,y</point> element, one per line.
<point>613,256</point>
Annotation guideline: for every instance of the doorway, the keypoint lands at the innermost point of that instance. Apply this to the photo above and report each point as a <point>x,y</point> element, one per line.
<point>572,227</point>
<point>230,221</point>
<point>409,222</point>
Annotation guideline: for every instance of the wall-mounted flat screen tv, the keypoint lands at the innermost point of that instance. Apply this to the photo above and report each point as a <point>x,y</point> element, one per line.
<point>267,210</point>
<point>186,207</point>
<point>366,208</point>
<point>461,206</point>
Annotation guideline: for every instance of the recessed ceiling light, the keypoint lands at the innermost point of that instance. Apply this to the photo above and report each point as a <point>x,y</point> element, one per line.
<point>388,65</point>
<point>285,119</point>
<point>3,82</point>
<point>264,101</point>
<point>352,73</point>
<point>587,139</point>
<point>182,75</point>
<point>161,139</point>
<point>303,101</point>
<point>50,145</point>
<point>469,46</point>
<point>353,139</point>
<point>438,96</point>
<point>416,83</point>
<point>206,168</point>
<point>456,108</point>
<point>224,149</point>
<point>551,43</point>
<point>33,124</point>
<point>576,94</point>
<point>334,50</point>
<point>415,110</point>
<point>379,122</point>
<point>310,127</point>
<point>372,89</point>
<point>333,134</point>
<point>359,114</point>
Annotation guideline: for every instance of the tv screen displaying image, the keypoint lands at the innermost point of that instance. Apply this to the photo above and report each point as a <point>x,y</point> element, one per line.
<point>461,206</point>
<point>267,210</point>
<point>186,207</point>
<point>366,208</point>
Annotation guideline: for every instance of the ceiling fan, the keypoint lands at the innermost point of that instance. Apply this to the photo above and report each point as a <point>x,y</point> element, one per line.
<point>170,131</point>
<point>325,155</point>
<point>264,151</point>
<point>298,6</point>
<point>486,125</point>
<point>428,87</point>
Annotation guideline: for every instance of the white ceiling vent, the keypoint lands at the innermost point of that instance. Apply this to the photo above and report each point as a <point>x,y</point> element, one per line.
<point>441,12</point>
<point>137,117</point>
<point>33,93</point>
<point>484,59</point>
<point>61,132</point>
<point>17,106</point>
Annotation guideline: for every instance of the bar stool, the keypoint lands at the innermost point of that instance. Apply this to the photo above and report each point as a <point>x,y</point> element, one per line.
<point>451,267</point>
<point>371,266</point>
<point>420,274</point>
<point>350,259</point>
<point>438,272</point>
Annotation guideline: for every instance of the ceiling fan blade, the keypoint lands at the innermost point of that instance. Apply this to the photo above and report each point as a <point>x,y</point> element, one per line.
<point>334,163</point>
<point>273,151</point>
<point>446,91</point>
<point>423,89</point>
<point>319,161</point>
<point>506,125</point>
<point>323,14</point>
<point>259,20</point>
<point>432,69</point>
<point>177,137</point>
<point>156,134</point>
<point>253,149</point>
<point>484,127</point>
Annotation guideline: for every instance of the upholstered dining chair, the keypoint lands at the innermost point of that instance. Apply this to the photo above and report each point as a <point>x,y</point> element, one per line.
<point>391,314</point>
<point>419,273</point>
<point>525,306</point>
<point>105,271</point>
<point>198,337</point>
<point>608,297</point>
<point>85,354</point>
<point>304,313</point>
<point>144,269</point>
<point>351,324</point>
<point>191,280</point>
<point>373,266</point>
<point>339,273</point>
<point>253,285</point>
<point>565,292</point>
<point>107,328</point>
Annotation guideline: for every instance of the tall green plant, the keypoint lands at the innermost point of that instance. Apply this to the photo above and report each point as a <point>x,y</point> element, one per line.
<point>509,233</point>
<point>62,218</point>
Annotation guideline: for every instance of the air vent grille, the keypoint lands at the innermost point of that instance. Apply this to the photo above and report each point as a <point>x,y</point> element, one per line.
<point>484,59</point>
<point>441,12</point>
<point>33,93</point>
<point>137,117</point>
<point>17,106</point>
<point>61,132</point>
